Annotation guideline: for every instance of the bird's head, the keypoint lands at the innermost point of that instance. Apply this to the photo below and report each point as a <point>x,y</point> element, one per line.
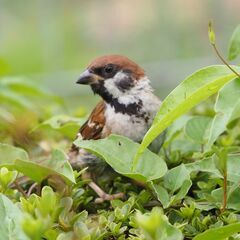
<point>114,76</point>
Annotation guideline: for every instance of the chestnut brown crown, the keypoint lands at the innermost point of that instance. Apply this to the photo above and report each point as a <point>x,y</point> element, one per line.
<point>122,62</point>
<point>105,67</point>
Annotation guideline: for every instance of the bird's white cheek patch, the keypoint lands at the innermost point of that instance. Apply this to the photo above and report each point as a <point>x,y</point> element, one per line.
<point>111,84</point>
<point>112,88</point>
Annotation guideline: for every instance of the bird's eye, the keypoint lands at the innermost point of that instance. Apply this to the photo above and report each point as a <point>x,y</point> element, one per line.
<point>108,69</point>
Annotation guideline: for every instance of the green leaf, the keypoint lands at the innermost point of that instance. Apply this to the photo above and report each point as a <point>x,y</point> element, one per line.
<point>155,226</point>
<point>118,152</point>
<point>175,129</point>
<point>10,218</point>
<point>208,165</point>
<point>16,158</point>
<point>197,128</point>
<point>219,233</point>
<point>227,109</point>
<point>162,194</point>
<point>183,191</point>
<point>220,160</point>
<point>194,89</point>
<point>175,177</point>
<point>232,200</point>
<point>62,123</point>
<point>234,46</point>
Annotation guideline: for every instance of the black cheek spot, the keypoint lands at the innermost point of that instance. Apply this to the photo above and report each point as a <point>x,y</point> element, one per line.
<point>125,84</point>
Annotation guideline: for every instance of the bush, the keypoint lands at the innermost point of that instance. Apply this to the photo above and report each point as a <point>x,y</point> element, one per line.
<point>189,190</point>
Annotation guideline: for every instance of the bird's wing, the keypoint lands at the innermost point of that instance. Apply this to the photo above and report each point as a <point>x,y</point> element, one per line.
<point>93,127</point>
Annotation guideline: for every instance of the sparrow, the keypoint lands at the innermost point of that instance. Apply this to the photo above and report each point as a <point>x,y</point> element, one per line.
<point>127,108</point>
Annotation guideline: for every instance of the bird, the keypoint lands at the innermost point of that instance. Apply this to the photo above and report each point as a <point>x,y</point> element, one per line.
<point>128,106</point>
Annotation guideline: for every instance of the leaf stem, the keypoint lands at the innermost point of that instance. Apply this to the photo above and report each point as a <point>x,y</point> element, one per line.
<point>223,60</point>
<point>224,192</point>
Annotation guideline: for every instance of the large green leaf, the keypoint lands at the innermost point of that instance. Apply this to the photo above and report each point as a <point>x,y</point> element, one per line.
<point>219,233</point>
<point>10,218</point>
<point>118,152</point>
<point>189,93</point>
<point>234,46</point>
<point>16,158</point>
<point>227,109</point>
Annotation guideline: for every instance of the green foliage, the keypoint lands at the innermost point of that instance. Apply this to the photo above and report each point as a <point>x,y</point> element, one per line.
<point>226,108</point>
<point>234,46</point>
<point>189,190</point>
<point>16,158</point>
<point>220,233</point>
<point>10,217</point>
<point>61,123</point>
<point>189,93</point>
<point>118,152</point>
<point>155,226</point>
<point>197,128</point>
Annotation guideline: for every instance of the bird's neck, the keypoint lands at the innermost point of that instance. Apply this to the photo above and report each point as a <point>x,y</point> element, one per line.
<point>130,102</point>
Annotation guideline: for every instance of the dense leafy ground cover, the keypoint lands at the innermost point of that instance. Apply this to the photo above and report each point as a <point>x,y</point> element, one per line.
<point>190,190</point>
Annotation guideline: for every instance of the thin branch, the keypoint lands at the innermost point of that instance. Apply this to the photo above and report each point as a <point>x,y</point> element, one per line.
<point>34,185</point>
<point>19,188</point>
<point>223,60</point>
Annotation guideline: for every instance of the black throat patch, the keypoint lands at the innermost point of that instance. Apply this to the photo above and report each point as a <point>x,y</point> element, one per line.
<point>130,109</point>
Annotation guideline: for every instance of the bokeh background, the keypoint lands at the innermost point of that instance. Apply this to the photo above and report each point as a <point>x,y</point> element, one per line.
<point>52,41</point>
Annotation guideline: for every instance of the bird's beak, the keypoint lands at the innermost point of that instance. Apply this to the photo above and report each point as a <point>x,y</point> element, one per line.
<point>87,78</point>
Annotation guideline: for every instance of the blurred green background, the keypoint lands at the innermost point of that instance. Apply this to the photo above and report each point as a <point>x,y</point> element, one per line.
<point>52,41</point>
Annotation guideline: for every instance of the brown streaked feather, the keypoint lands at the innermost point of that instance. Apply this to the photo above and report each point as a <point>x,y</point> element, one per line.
<point>93,127</point>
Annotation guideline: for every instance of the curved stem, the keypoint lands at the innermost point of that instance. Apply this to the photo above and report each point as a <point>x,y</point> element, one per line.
<point>223,60</point>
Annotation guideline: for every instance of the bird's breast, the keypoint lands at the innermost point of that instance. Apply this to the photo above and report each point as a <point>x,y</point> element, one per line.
<point>133,126</point>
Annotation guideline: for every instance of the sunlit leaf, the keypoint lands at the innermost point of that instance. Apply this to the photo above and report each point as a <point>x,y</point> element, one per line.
<point>189,93</point>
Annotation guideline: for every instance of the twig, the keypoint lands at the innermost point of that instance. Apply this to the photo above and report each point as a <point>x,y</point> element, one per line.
<point>223,60</point>
<point>34,185</point>
<point>19,188</point>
